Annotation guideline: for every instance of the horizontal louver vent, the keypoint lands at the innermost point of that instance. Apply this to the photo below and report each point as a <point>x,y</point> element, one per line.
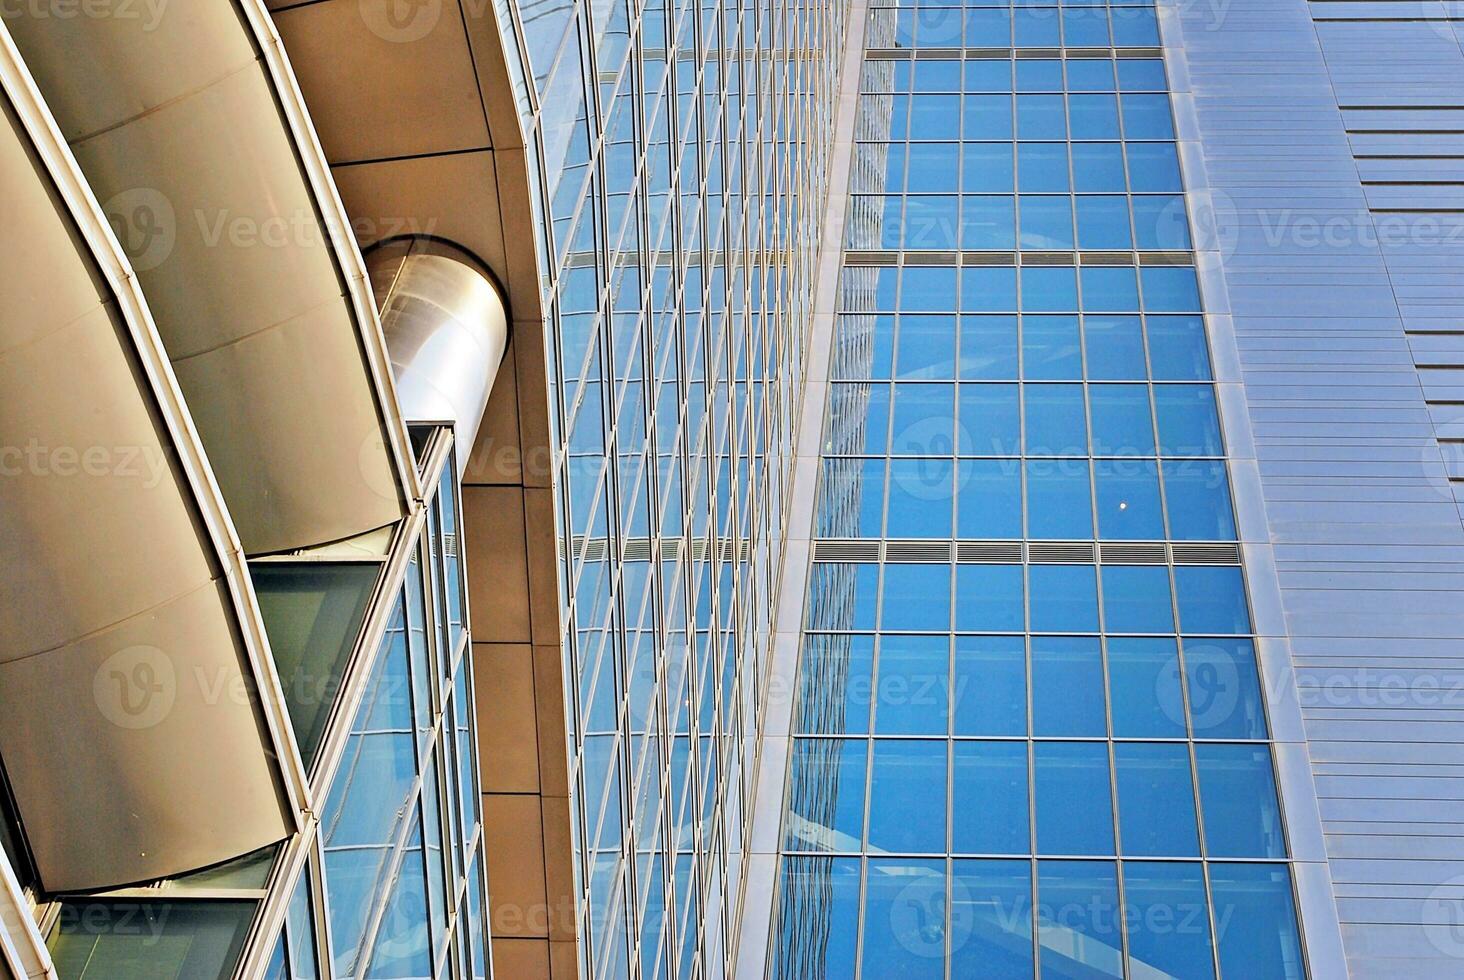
<point>1206,554</point>
<point>1003,552</point>
<point>934,551</point>
<point>1134,552</point>
<point>846,551</point>
<point>1059,551</point>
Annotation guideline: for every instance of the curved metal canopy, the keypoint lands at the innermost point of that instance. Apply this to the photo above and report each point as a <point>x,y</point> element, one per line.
<point>446,330</point>
<point>128,637</point>
<point>190,131</point>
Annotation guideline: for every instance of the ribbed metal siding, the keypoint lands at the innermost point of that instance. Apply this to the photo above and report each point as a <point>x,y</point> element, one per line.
<point>1343,337</point>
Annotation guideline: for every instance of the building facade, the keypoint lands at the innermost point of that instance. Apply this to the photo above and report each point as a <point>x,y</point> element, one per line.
<point>771,489</point>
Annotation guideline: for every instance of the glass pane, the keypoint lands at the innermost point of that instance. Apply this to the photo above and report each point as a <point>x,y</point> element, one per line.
<point>1050,349</point>
<point>989,598</point>
<point>826,795</point>
<point>989,422</point>
<point>916,597</point>
<point>1198,498</point>
<point>1169,928</point>
<point>1260,939</point>
<point>835,681</point>
<point>989,803</point>
<point>989,696</point>
<point>403,941</point>
<point>904,919</point>
<point>818,919</point>
<point>1238,792</point>
<point>991,919</point>
<point>921,492</point>
<point>113,940</point>
<point>1128,502</point>
<point>989,349</point>
<point>1056,423</point>
<point>1059,499</point>
<point>1156,805</point>
<point>312,613</point>
<point>1063,598</point>
<point>1224,689</point>
<point>843,596</point>
<point>1074,803</point>
<point>988,499</point>
<point>1067,686</point>
<point>1177,348</point>
<point>1144,687</point>
<point>906,770</point>
<point>1188,423</point>
<point>913,678</point>
<point>300,930</point>
<point>927,347</point>
<point>1211,600</point>
<point>1136,599</point>
<point>1077,920</point>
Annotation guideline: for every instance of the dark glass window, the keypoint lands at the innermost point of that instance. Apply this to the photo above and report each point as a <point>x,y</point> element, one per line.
<point>105,940</point>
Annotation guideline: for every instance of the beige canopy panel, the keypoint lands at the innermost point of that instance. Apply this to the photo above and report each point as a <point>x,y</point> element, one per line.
<point>125,629</point>
<point>189,131</point>
<point>446,330</point>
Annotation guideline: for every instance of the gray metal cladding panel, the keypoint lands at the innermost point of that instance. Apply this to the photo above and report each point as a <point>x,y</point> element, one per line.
<point>1328,134</point>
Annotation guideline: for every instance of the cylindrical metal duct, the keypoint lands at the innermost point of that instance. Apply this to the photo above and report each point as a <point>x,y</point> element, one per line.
<point>446,330</point>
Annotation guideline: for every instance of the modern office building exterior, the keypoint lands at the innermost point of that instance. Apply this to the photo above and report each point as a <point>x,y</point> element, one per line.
<point>649,490</point>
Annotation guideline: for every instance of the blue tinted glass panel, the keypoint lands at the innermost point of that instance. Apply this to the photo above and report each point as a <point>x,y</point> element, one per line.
<point>988,290</point>
<point>917,597</point>
<point>1128,499</point>
<point>991,919</point>
<point>1063,598</point>
<point>1178,349</point>
<point>988,347</point>
<point>1161,223</point>
<point>1059,499</point>
<point>1260,939</point>
<point>1099,167</point>
<point>1170,289</point>
<point>928,289</point>
<point>843,596</point>
<point>1144,687</point>
<point>989,695</point>
<point>1224,688</point>
<point>920,496</point>
<point>1153,167</point>
<point>1122,425</point>
<point>1079,936</point>
<point>1052,289</point>
<point>1103,222</point>
<point>1238,793</point>
<point>1067,686</point>
<point>989,498</point>
<point>927,347</point>
<point>1211,600</point>
<point>1057,424</point>
<point>818,918</point>
<point>986,167</point>
<point>1188,422</point>
<point>1115,347</point>
<point>825,795</point>
<point>835,681</point>
<point>1051,350</point>
<point>989,598</point>
<point>913,676</point>
<point>904,919</point>
<point>989,423</point>
<point>905,770</point>
<point>1136,599</point>
<point>1198,496</point>
<point>1073,800</point>
<point>1046,223</point>
<point>989,805</point>
<point>988,221</point>
<point>1093,117</point>
<point>1156,806</point>
<point>1043,168</point>
<point>1169,930</point>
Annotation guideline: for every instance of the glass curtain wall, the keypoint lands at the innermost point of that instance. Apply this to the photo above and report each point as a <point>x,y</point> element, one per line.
<point>680,172</point>
<point>1030,736</point>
